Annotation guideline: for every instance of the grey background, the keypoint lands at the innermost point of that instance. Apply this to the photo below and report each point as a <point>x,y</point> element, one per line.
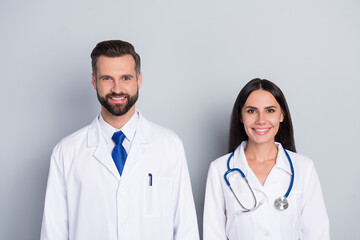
<point>196,57</point>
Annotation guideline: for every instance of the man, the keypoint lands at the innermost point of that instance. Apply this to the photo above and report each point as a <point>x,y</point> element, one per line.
<point>121,177</point>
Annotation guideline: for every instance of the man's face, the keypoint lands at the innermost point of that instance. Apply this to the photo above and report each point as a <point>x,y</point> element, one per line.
<point>116,84</point>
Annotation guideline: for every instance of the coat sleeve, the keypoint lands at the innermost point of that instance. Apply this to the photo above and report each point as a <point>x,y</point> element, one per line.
<point>314,215</point>
<point>55,218</point>
<point>214,208</point>
<point>185,221</point>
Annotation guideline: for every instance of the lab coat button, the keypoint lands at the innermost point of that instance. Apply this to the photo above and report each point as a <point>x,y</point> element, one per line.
<point>122,191</point>
<point>267,234</point>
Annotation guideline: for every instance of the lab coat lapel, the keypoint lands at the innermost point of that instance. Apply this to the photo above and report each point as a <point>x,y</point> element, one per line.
<point>241,162</point>
<point>138,147</point>
<point>101,153</point>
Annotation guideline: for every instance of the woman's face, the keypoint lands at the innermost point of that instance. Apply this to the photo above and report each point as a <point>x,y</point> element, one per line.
<point>261,116</point>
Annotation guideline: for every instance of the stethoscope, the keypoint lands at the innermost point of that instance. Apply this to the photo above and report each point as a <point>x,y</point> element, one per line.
<point>281,203</point>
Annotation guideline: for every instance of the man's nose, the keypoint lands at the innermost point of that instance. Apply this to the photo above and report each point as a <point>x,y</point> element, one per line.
<point>117,87</point>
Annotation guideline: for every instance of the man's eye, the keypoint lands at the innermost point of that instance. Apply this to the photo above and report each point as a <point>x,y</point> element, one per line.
<point>106,78</point>
<point>126,78</point>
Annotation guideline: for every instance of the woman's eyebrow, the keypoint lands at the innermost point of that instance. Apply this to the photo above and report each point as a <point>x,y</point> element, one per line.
<point>251,107</point>
<point>270,107</point>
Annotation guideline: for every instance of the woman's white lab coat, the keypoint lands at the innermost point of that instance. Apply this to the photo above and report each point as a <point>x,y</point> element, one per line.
<point>305,219</point>
<point>87,199</point>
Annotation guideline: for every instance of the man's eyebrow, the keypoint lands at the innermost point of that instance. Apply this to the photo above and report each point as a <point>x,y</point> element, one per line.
<point>104,76</point>
<point>127,75</point>
<point>122,76</point>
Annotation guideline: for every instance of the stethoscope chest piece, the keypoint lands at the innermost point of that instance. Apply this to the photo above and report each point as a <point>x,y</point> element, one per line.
<point>281,203</point>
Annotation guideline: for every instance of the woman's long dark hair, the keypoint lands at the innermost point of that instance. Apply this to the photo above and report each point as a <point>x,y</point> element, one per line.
<point>237,134</point>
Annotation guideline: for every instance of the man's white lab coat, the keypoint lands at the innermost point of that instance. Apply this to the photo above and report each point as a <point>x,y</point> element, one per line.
<point>87,199</point>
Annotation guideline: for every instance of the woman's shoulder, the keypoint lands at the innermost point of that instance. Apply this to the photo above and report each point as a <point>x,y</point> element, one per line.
<point>221,160</point>
<point>300,161</point>
<point>220,164</point>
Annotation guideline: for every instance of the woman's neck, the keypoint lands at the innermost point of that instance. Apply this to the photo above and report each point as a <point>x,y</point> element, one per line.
<point>261,159</point>
<point>261,152</point>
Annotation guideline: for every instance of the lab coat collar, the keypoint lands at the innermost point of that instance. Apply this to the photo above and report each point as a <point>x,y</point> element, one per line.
<point>140,141</point>
<point>282,161</point>
<point>239,161</point>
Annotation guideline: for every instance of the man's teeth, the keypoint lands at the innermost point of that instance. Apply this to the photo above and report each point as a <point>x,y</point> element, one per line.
<point>261,130</point>
<point>118,99</point>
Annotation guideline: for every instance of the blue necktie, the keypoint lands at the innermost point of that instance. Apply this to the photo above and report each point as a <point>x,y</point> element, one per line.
<point>118,153</point>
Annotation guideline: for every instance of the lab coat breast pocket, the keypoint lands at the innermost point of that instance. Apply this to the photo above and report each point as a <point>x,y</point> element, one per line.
<point>248,201</point>
<point>157,196</point>
<point>239,223</point>
<point>290,219</point>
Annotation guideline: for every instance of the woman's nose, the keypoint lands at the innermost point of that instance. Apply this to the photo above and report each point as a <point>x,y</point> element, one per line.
<point>260,119</point>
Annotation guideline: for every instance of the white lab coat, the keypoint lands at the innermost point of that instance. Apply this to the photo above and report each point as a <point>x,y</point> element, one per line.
<point>86,199</point>
<point>305,219</point>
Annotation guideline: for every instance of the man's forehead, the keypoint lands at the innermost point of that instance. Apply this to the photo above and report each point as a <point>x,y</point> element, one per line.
<point>122,62</point>
<point>126,57</point>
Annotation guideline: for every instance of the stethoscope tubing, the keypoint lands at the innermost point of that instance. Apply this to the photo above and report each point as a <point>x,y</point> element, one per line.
<point>230,170</point>
<point>292,174</point>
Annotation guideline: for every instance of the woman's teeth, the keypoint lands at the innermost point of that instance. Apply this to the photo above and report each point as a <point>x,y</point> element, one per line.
<point>261,130</point>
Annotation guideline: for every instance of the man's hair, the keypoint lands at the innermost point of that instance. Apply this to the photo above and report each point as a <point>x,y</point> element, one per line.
<point>114,48</point>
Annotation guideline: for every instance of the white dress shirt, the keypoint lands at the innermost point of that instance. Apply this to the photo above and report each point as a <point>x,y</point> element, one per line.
<point>306,217</point>
<point>129,130</point>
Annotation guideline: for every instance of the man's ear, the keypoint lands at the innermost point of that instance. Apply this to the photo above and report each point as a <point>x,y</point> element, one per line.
<point>139,79</point>
<point>93,80</point>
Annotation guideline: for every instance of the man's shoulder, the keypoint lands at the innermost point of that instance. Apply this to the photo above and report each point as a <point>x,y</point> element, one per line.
<point>78,137</point>
<point>156,131</point>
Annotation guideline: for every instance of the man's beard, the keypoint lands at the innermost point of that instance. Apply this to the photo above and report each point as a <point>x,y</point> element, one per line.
<point>118,109</point>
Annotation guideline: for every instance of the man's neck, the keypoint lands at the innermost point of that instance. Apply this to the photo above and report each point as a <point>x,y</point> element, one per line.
<point>117,121</point>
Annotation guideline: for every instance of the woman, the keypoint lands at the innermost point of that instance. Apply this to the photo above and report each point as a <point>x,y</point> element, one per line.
<point>260,131</point>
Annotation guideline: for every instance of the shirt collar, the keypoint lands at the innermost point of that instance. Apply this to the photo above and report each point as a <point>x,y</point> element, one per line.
<point>128,129</point>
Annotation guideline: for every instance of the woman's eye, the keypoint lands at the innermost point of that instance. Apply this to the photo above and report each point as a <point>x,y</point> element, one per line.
<point>251,111</point>
<point>270,110</point>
